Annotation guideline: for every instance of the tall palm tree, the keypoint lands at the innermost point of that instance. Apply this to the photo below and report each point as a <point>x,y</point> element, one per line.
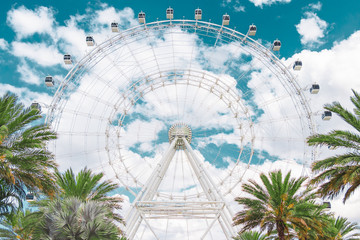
<point>280,205</point>
<point>250,235</point>
<point>24,158</point>
<point>342,171</point>
<point>88,186</point>
<point>72,218</point>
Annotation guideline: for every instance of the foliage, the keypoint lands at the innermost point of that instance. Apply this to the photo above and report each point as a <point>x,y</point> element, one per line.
<point>280,206</point>
<point>345,230</point>
<point>13,227</point>
<point>342,171</point>
<point>11,197</point>
<point>23,156</point>
<point>72,218</point>
<point>250,235</point>
<point>88,186</point>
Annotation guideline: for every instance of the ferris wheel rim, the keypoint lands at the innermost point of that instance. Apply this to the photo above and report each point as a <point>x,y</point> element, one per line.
<point>172,23</point>
<point>219,29</point>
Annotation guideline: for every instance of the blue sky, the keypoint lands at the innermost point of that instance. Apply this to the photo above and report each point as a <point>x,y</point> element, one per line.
<point>325,35</point>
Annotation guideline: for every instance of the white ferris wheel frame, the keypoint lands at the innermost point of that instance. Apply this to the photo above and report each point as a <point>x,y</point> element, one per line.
<point>199,78</point>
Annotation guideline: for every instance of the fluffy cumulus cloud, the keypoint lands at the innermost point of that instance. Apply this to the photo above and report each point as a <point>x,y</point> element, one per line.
<point>311,29</point>
<point>3,44</point>
<point>39,53</point>
<point>26,96</point>
<point>235,4</point>
<point>315,6</point>
<point>336,71</point>
<point>261,3</point>
<point>27,22</point>
<point>28,74</point>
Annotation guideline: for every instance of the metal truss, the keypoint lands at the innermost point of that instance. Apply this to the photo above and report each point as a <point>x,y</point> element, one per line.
<point>144,207</point>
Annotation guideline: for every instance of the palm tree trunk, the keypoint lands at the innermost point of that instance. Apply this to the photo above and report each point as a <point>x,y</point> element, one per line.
<point>280,230</point>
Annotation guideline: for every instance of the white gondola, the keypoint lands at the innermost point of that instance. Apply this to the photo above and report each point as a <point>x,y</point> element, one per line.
<point>169,13</point>
<point>315,88</point>
<point>326,116</point>
<point>114,27</point>
<point>67,59</point>
<point>252,30</point>
<point>198,14</point>
<point>49,82</point>
<point>90,41</point>
<point>276,45</point>
<point>297,65</point>
<point>36,105</point>
<point>226,19</point>
<point>30,197</point>
<point>141,17</point>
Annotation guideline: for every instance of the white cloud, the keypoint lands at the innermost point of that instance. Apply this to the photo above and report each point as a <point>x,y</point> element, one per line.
<point>26,96</point>
<point>39,53</point>
<point>125,17</point>
<point>4,45</point>
<point>235,4</point>
<point>28,74</point>
<point>311,29</point>
<point>26,22</point>
<point>260,3</point>
<point>336,71</point>
<point>316,6</point>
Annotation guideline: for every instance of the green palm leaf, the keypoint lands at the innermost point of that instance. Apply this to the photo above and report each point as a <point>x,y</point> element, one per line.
<point>340,172</point>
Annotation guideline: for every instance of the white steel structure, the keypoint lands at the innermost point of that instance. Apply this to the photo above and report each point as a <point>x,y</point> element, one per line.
<point>214,208</point>
<point>180,113</point>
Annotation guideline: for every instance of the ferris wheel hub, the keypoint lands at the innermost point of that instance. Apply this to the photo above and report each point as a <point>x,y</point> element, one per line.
<point>180,130</point>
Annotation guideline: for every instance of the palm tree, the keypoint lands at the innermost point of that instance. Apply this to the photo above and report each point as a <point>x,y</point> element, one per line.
<point>23,156</point>
<point>342,171</point>
<point>72,218</point>
<point>345,230</point>
<point>279,205</point>
<point>250,235</point>
<point>12,226</point>
<point>88,186</point>
<point>11,197</point>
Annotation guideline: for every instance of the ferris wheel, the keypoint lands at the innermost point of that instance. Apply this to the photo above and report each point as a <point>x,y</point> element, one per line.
<point>180,113</point>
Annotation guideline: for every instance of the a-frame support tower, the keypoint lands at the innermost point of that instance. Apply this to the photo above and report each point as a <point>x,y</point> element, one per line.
<point>212,207</point>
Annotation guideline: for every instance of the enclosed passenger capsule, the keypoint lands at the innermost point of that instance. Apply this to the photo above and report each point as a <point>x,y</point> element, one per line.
<point>141,17</point>
<point>297,65</point>
<point>36,105</point>
<point>315,88</point>
<point>252,30</point>
<point>169,13</point>
<point>198,14</point>
<point>226,19</point>
<point>30,197</point>
<point>276,45</point>
<point>114,27</point>
<point>67,59</point>
<point>90,41</point>
<point>326,115</point>
<point>49,82</point>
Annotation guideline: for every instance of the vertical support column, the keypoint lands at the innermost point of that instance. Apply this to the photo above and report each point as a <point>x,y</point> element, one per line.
<point>148,192</point>
<point>210,190</point>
